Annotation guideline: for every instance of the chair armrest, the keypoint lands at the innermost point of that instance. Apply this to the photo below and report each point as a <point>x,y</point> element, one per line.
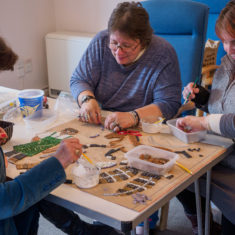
<point>209,68</point>
<point>185,107</point>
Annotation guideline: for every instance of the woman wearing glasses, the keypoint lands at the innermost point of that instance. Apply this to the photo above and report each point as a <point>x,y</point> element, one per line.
<point>127,70</point>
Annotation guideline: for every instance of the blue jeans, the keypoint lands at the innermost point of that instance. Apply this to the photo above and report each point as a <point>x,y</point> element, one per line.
<point>152,220</point>
<point>70,223</point>
<point>27,222</point>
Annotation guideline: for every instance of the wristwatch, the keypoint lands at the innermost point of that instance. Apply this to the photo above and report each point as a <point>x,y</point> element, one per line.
<point>86,98</point>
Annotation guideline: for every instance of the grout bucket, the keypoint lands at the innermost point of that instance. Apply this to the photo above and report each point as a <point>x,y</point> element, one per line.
<point>31,102</point>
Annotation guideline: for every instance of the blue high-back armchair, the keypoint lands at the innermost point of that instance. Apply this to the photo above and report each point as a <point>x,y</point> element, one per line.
<point>183,23</point>
<point>215,7</point>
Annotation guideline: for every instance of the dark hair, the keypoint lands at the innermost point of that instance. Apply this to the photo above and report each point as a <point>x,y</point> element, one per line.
<point>226,20</point>
<point>7,56</point>
<point>132,19</point>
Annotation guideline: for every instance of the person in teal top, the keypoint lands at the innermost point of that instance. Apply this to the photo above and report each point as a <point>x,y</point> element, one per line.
<point>21,199</point>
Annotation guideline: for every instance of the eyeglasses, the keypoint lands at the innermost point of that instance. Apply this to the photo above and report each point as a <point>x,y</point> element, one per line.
<point>124,48</point>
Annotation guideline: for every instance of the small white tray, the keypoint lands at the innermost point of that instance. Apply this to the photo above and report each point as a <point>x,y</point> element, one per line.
<point>134,161</point>
<point>154,128</point>
<point>184,136</point>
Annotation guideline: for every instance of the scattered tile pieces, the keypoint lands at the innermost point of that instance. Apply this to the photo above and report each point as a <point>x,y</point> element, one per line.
<point>187,155</point>
<point>112,151</point>
<point>26,165</point>
<point>169,176</point>
<point>133,140</point>
<point>140,198</point>
<point>103,165</point>
<point>94,136</point>
<point>69,131</point>
<point>123,162</point>
<point>98,145</point>
<point>17,157</point>
<point>10,153</point>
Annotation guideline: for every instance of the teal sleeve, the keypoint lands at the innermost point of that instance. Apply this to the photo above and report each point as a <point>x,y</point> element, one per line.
<point>29,188</point>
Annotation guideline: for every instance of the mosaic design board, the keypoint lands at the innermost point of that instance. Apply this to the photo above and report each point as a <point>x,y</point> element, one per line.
<point>36,147</point>
<point>161,186</point>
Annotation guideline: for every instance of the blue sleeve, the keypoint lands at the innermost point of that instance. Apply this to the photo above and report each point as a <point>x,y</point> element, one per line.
<point>87,73</point>
<point>27,189</point>
<point>167,92</point>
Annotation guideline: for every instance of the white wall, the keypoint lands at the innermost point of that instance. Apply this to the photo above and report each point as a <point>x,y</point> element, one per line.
<point>88,16</point>
<point>24,23</point>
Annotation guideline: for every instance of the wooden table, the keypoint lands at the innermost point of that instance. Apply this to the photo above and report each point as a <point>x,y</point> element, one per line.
<point>111,212</point>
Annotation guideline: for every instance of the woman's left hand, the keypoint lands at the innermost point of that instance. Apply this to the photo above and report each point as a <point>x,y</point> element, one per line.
<point>192,122</point>
<point>119,120</point>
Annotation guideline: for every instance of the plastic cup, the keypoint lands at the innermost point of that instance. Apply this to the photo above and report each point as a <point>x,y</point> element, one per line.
<point>31,101</point>
<point>149,126</point>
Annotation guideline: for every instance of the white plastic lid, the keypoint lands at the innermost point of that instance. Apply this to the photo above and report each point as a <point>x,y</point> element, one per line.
<point>31,93</point>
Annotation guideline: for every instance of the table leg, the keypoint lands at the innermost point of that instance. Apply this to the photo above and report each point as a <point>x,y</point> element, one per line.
<point>164,216</point>
<point>133,232</point>
<point>146,226</point>
<point>199,209</point>
<point>207,211</point>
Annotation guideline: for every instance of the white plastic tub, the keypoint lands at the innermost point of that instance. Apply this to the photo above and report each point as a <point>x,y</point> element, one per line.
<point>31,101</point>
<point>134,160</point>
<point>184,136</point>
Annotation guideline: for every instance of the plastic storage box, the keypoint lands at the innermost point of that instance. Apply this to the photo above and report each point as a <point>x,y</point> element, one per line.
<point>184,136</point>
<point>134,160</point>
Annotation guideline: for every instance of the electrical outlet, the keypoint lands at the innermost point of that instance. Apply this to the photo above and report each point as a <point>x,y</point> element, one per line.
<point>20,69</point>
<point>28,66</point>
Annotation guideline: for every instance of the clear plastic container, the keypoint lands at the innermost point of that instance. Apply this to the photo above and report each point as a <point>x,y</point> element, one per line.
<point>40,122</point>
<point>66,106</point>
<point>134,160</point>
<point>150,127</point>
<point>153,124</point>
<point>13,115</point>
<point>191,137</point>
<point>85,175</point>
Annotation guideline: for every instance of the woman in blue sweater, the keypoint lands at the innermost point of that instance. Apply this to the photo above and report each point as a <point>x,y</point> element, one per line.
<point>128,70</point>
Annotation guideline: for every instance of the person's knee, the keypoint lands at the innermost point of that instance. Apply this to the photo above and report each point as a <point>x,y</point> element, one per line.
<point>228,228</point>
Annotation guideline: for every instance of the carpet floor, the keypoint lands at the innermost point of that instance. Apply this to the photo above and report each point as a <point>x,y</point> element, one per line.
<point>177,223</point>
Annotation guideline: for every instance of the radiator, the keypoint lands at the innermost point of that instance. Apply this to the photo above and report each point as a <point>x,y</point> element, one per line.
<point>64,51</point>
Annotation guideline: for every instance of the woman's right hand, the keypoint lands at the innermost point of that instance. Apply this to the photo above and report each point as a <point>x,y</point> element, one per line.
<point>69,151</point>
<point>90,112</point>
<point>190,89</point>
